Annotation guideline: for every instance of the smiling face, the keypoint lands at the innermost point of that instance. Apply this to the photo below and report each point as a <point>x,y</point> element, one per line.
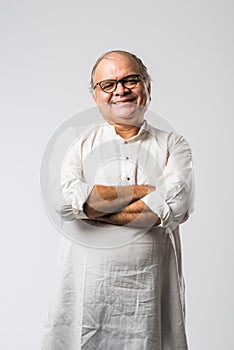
<point>124,104</point>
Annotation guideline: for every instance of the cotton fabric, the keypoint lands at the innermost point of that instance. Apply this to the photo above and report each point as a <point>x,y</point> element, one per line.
<point>128,294</point>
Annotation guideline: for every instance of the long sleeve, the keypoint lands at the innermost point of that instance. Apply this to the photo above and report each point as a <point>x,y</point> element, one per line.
<point>173,198</point>
<point>75,190</point>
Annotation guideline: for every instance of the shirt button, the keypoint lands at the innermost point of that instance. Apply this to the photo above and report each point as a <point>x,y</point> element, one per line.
<point>128,178</point>
<point>125,142</point>
<point>127,158</point>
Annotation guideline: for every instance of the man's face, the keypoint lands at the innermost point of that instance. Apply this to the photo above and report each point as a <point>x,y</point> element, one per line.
<point>123,103</point>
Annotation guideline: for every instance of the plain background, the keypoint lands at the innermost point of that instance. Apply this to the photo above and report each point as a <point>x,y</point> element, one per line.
<point>47,50</point>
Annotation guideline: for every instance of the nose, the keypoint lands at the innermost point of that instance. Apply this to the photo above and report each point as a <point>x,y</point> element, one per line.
<point>120,90</point>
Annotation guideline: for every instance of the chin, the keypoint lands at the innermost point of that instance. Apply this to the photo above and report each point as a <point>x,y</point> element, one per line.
<point>125,112</point>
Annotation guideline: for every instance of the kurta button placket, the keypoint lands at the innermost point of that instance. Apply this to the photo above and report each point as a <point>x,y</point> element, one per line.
<point>125,169</point>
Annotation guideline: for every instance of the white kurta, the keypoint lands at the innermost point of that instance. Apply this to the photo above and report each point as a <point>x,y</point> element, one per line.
<point>128,293</point>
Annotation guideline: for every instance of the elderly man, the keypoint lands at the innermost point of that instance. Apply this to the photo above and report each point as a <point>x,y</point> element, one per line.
<point>138,179</point>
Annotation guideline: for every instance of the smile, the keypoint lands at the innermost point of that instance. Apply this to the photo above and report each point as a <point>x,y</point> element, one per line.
<point>123,102</point>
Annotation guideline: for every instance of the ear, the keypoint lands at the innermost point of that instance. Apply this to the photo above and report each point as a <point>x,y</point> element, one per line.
<point>149,88</point>
<point>94,96</point>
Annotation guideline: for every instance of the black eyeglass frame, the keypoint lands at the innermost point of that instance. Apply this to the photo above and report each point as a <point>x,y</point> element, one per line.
<point>118,81</point>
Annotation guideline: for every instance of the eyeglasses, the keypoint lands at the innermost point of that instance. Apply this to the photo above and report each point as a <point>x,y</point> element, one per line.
<point>110,85</point>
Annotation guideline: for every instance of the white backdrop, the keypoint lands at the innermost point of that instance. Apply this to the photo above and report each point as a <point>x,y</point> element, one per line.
<point>47,50</point>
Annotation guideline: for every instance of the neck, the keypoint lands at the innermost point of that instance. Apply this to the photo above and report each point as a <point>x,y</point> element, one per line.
<point>126,131</point>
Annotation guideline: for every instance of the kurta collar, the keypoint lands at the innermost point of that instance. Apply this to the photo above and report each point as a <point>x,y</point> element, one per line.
<point>143,129</point>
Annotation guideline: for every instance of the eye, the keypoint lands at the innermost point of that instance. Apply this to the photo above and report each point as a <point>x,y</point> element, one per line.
<point>131,80</point>
<point>107,85</point>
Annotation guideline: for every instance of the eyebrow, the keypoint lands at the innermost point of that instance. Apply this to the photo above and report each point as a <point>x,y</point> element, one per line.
<point>125,76</point>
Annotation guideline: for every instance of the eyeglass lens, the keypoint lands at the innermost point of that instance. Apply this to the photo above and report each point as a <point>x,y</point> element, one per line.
<point>128,82</point>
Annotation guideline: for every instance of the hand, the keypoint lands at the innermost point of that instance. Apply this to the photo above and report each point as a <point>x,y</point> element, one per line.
<point>104,200</point>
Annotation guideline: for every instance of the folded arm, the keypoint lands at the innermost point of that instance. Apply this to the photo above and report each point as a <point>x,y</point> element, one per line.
<point>136,214</point>
<point>104,200</point>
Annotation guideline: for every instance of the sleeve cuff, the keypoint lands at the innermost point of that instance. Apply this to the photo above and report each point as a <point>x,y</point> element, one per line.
<point>81,195</point>
<point>155,201</point>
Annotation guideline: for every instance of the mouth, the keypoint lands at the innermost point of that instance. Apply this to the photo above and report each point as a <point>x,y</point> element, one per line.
<point>119,102</point>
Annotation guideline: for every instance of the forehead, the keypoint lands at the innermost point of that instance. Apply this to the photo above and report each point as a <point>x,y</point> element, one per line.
<point>115,66</point>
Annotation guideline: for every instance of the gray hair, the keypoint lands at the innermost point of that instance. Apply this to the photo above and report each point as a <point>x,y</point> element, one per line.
<point>142,67</point>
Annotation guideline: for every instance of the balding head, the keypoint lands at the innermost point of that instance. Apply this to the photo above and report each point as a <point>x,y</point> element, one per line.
<point>114,54</point>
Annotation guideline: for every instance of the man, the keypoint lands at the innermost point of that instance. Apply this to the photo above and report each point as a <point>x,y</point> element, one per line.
<point>123,174</point>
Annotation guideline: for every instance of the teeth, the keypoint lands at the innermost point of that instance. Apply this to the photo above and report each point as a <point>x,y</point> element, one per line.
<point>122,102</point>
